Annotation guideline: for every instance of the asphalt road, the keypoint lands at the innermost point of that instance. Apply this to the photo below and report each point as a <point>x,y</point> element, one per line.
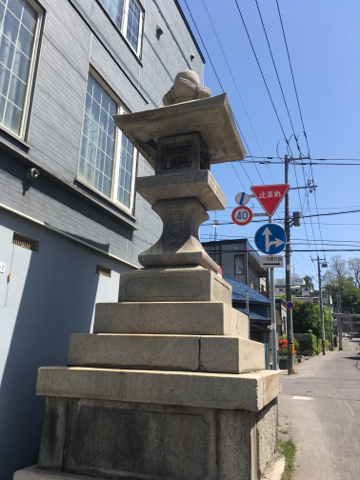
<point>321,407</point>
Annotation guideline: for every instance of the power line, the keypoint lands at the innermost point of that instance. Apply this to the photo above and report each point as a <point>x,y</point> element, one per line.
<point>305,216</point>
<point>270,157</point>
<point>262,74</point>
<point>234,81</point>
<point>277,74</point>
<point>292,76</point>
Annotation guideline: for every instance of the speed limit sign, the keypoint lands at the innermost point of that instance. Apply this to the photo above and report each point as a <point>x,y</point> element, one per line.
<point>241,215</point>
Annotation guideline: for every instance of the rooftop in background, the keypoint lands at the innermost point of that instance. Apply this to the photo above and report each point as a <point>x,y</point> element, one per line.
<point>239,290</point>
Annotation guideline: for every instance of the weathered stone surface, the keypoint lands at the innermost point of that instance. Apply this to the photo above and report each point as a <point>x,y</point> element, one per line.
<point>237,445</point>
<point>173,285</point>
<point>211,117</point>
<point>166,352</point>
<point>231,354</point>
<point>183,318</point>
<point>205,390</point>
<point>36,473</point>
<point>53,439</point>
<point>186,87</point>
<point>179,244</point>
<point>155,441</point>
<point>146,440</point>
<point>200,185</point>
<point>271,386</point>
<point>267,435</point>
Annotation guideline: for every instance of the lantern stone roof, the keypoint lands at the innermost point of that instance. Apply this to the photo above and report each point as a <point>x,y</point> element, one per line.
<point>210,117</point>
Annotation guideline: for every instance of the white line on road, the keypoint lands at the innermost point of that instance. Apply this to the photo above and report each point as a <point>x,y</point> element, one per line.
<point>302,398</point>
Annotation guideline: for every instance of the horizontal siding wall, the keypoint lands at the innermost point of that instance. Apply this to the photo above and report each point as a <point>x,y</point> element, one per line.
<point>78,34</point>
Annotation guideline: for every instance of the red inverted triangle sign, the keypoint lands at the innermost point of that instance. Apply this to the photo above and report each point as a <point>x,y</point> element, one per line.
<point>270,196</point>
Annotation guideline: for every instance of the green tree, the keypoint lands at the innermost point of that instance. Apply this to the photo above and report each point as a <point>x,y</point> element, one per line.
<point>306,316</point>
<point>309,282</point>
<point>327,321</point>
<point>354,269</point>
<point>341,286</point>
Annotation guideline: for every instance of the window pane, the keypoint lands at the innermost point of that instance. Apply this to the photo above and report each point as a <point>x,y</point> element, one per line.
<point>132,33</point>
<point>125,171</point>
<point>16,7</point>
<point>114,9</point>
<point>29,17</point>
<point>16,46</point>
<point>95,167</point>
<point>17,91</point>
<point>12,119</point>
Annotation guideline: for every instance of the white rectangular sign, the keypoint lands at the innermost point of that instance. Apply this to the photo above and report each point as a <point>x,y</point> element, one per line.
<point>271,261</point>
<point>2,267</point>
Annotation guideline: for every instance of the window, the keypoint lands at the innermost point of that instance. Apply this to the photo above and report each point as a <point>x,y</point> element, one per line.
<point>19,30</point>
<point>107,158</point>
<point>128,17</point>
<point>239,264</point>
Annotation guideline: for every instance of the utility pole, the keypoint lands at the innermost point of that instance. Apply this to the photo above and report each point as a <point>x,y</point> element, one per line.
<point>324,264</point>
<point>289,323</point>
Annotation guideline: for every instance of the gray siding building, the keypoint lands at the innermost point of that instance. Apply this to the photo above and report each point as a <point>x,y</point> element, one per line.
<point>70,220</point>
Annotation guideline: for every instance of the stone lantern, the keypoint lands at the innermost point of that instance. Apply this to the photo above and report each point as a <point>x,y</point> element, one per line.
<point>169,386</point>
<point>181,142</point>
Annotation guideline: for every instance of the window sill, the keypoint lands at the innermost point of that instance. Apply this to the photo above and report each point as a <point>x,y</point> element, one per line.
<point>19,150</point>
<point>86,187</point>
<point>13,139</point>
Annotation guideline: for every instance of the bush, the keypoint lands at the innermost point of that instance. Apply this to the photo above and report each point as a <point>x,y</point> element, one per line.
<point>283,345</point>
<point>308,344</point>
<point>327,343</point>
<point>319,345</point>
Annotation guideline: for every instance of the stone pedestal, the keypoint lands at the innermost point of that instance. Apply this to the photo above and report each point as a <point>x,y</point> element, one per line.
<point>165,389</point>
<point>169,386</point>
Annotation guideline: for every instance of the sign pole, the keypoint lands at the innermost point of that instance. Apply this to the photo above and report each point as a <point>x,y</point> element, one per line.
<point>289,312</point>
<point>273,329</point>
<point>273,317</point>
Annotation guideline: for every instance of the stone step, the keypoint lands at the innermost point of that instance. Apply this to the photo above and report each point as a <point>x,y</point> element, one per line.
<point>183,318</point>
<point>166,352</point>
<point>194,284</point>
<point>246,391</point>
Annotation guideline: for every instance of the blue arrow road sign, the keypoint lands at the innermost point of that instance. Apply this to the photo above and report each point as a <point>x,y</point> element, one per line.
<point>270,238</point>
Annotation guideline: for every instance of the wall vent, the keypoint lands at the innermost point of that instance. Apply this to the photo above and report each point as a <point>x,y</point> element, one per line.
<point>25,242</point>
<point>103,271</point>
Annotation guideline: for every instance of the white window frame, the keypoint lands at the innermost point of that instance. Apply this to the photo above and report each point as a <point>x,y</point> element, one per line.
<point>25,113</point>
<point>121,109</point>
<point>124,23</point>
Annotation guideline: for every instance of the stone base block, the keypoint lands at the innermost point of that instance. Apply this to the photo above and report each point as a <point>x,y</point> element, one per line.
<point>183,318</point>
<point>246,391</point>
<point>36,473</point>
<point>166,352</point>
<point>174,285</point>
<point>152,442</point>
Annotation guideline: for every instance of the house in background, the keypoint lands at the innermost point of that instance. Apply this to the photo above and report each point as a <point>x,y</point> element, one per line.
<point>239,260</point>
<point>281,316</point>
<point>304,293</point>
<point>257,307</point>
<point>71,221</point>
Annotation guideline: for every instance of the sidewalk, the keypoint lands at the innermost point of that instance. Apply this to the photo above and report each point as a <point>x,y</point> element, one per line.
<point>317,410</point>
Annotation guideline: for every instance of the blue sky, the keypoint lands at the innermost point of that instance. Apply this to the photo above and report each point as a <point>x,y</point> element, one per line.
<point>323,38</point>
